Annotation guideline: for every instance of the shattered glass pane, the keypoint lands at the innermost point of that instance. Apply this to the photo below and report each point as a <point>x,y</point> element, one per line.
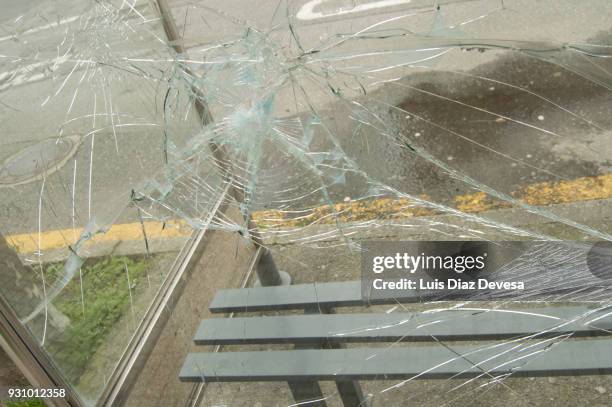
<point>127,125</point>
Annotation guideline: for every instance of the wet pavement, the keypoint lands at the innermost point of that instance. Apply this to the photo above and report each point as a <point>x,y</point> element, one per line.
<point>508,123</point>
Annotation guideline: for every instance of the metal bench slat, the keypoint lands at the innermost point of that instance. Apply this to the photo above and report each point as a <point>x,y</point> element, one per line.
<point>286,297</point>
<point>544,358</point>
<point>461,324</point>
<point>296,296</point>
<point>323,295</point>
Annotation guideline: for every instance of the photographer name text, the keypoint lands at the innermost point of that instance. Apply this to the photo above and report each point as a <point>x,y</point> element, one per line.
<point>448,284</point>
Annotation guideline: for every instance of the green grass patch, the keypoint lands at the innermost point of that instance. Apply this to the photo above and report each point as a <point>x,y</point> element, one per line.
<point>26,403</point>
<point>107,299</point>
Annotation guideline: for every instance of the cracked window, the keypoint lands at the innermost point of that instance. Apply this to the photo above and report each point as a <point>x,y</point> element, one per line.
<point>132,131</point>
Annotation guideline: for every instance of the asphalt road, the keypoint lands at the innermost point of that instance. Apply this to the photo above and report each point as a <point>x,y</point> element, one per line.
<point>39,80</point>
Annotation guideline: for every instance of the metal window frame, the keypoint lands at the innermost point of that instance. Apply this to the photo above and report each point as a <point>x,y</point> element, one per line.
<point>23,349</point>
<point>39,369</point>
<point>144,339</point>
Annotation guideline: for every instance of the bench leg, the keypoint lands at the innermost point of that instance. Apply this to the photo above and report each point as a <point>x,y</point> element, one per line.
<point>304,391</point>
<point>307,393</point>
<point>267,272</point>
<point>351,394</point>
<point>349,390</point>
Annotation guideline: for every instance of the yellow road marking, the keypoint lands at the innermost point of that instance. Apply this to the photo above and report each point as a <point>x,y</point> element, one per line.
<point>541,194</point>
<point>580,189</point>
<point>58,239</point>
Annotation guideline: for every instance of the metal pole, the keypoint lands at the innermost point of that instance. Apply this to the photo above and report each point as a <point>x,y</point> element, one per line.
<point>267,272</point>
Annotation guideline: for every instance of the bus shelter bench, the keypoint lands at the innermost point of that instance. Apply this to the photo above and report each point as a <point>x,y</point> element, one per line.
<point>320,335</point>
